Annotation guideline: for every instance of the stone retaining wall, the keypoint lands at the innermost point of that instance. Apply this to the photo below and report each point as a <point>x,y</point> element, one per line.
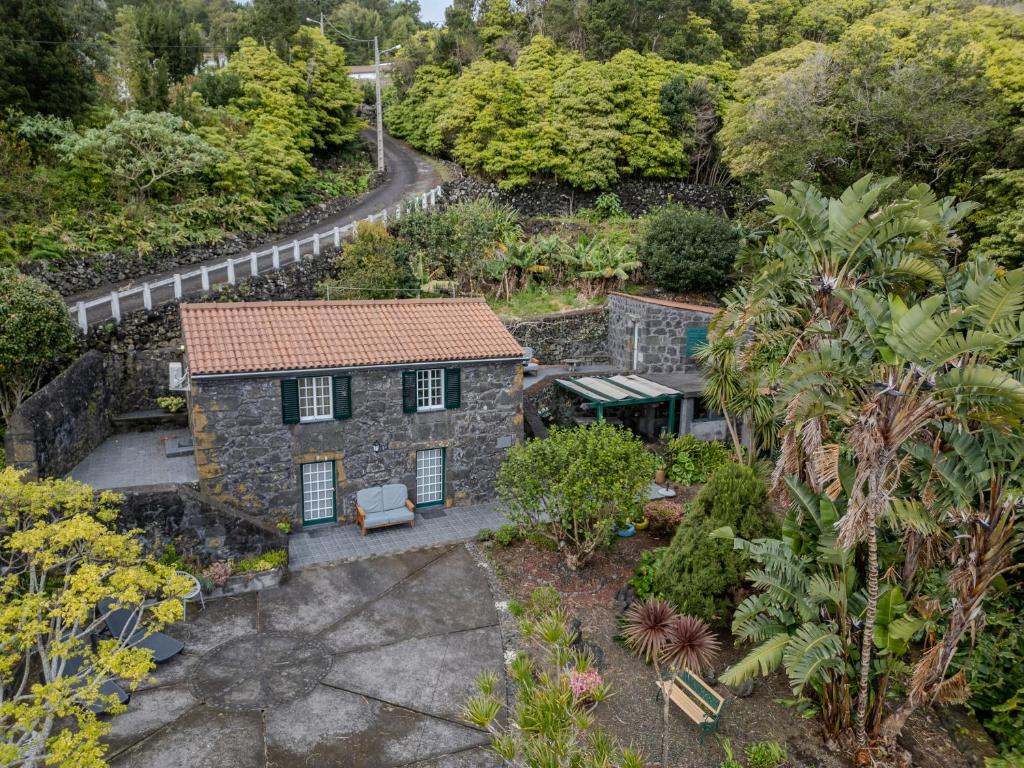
<point>60,424</point>
<point>638,196</point>
<point>200,529</point>
<point>581,334</point>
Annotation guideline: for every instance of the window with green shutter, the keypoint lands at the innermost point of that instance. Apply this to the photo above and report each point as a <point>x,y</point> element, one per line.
<point>290,401</point>
<point>696,337</point>
<point>409,391</point>
<point>342,386</point>
<point>452,388</point>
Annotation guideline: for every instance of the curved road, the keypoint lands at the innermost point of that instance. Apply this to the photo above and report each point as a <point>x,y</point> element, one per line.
<point>408,174</point>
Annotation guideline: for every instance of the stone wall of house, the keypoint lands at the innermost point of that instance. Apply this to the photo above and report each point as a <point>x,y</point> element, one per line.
<point>200,529</point>
<point>60,424</point>
<point>661,338</point>
<point>247,457</point>
<point>582,334</point>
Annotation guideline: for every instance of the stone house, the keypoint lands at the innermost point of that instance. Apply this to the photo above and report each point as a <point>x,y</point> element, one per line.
<point>295,406</point>
<point>648,335</point>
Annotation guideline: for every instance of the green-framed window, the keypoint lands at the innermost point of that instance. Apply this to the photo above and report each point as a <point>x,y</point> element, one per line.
<point>318,484</point>
<point>430,477</point>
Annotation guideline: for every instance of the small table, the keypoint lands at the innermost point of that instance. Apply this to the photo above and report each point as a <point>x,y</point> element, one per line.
<point>195,591</point>
<point>572,363</point>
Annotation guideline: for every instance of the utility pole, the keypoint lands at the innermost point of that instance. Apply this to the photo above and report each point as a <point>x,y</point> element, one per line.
<point>380,110</point>
<point>321,22</point>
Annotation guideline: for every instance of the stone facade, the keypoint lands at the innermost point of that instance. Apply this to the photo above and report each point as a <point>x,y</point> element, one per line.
<point>656,328</point>
<point>247,456</point>
<point>581,334</point>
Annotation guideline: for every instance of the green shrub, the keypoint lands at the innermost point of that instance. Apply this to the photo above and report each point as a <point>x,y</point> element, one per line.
<point>699,574</point>
<point>368,267</point>
<point>171,403</point>
<point>268,561</point>
<point>643,577</point>
<point>765,754</point>
<point>507,535</point>
<point>574,486</point>
<point>607,206</point>
<point>730,760</point>
<point>485,534</point>
<point>686,250</point>
<point>691,460</point>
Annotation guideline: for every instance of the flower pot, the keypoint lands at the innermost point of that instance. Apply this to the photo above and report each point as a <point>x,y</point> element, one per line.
<point>626,532</point>
<point>659,476</point>
<point>642,525</point>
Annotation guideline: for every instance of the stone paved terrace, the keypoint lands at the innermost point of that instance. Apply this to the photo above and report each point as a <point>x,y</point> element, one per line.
<point>136,458</point>
<point>342,543</point>
<point>365,664</point>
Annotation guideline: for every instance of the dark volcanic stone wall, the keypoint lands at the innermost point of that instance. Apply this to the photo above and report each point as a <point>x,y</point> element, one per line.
<point>581,334</point>
<point>662,336</point>
<point>638,196</point>
<point>61,423</point>
<point>246,456</point>
<point>199,528</point>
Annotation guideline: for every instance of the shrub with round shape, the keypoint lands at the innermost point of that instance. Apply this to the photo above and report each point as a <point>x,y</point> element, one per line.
<point>686,250</point>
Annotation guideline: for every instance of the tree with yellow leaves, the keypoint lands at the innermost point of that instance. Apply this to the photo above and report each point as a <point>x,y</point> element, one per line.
<point>60,554</point>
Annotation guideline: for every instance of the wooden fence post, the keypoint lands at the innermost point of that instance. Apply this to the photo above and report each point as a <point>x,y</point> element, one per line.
<point>115,306</point>
<point>83,318</point>
<point>177,285</point>
<point>147,296</point>
<point>231,271</point>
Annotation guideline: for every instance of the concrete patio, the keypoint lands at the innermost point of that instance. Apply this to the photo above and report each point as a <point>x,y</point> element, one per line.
<point>133,459</point>
<point>343,542</point>
<point>364,664</point>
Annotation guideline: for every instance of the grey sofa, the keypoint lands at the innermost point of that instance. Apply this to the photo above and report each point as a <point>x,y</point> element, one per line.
<point>384,505</point>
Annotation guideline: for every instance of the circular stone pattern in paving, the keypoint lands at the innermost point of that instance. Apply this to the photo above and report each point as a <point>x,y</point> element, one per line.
<point>260,671</point>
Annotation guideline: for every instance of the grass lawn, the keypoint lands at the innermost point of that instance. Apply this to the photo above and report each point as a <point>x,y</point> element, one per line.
<point>542,300</point>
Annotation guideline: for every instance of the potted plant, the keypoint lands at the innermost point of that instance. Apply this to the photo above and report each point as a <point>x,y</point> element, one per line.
<point>659,473</point>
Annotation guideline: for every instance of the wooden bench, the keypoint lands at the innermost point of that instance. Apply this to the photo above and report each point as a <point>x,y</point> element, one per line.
<point>698,700</point>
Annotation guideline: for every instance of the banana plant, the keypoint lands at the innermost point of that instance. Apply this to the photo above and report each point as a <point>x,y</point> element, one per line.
<point>602,264</point>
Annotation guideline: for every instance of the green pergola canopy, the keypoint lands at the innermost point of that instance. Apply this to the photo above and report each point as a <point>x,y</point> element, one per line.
<point>610,391</point>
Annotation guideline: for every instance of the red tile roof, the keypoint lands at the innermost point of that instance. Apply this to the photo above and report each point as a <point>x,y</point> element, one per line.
<point>269,336</point>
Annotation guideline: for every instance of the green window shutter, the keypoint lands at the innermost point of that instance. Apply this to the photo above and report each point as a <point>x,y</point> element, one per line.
<point>452,388</point>
<point>342,396</point>
<point>696,337</point>
<point>290,401</point>
<point>409,391</point>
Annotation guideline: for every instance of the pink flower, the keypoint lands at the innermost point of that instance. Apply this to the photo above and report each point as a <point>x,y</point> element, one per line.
<point>584,684</point>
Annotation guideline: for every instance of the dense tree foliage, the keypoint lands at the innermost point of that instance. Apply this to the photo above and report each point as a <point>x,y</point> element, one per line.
<point>35,331</point>
<point>235,151</point>
<point>61,554</point>
<point>894,369</point>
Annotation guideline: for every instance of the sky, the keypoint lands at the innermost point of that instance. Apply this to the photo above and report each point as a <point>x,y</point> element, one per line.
<point>433,10</point>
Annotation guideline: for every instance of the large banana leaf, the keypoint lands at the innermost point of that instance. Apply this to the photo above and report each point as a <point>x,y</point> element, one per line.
<point>763,660</point>
<point>813,651</point>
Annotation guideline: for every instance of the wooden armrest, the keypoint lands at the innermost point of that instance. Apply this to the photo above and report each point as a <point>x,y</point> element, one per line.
<point>410,505</point>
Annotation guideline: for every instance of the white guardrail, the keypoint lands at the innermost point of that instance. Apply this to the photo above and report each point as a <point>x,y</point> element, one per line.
<point>150,294</point>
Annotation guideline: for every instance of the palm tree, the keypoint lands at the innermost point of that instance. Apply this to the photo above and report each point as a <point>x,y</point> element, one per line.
<point>659,635</point>
<point>873,355</point>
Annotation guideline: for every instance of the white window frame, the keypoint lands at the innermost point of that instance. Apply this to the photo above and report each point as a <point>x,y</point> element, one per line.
<point>430,487</point>
<point>318,492</point>
<point>312,404</point>
<point>429,389</point>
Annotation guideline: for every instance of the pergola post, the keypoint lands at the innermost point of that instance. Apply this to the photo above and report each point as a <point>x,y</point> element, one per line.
<point>600,413</point>
<point>671,427</point>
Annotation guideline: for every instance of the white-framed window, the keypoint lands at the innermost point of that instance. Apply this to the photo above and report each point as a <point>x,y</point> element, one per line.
<point>430,389</point>
<point>430,477</point>
<point>315,398</point>
<point>318,492</point>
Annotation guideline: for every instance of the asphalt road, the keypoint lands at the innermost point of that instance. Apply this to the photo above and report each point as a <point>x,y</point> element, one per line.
<point>408,174</point>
